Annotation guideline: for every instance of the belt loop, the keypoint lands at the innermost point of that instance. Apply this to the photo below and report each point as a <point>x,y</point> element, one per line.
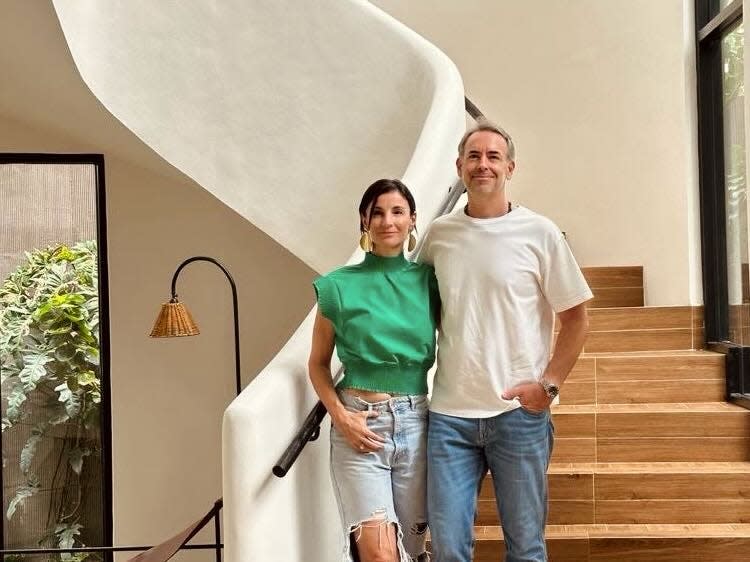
<point>412,402</point>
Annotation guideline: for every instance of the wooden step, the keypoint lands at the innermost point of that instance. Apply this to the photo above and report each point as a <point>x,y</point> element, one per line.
<point>651,433</point>
<point>644,329</point>
<point>640,493</point>
<point>616,297</point>
<point>643,318</point>
<point>639,340</point>
<point>712,419</point>
<point>615,286</point>
<point>614,276</point>
<point>670,449</point>
<point>630,543</point>
<point>646,377</point>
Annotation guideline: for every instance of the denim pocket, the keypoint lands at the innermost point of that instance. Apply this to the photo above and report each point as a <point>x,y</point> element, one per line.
<point>540,414</point>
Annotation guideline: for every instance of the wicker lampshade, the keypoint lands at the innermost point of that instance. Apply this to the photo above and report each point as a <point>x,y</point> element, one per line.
<point>174,321</point>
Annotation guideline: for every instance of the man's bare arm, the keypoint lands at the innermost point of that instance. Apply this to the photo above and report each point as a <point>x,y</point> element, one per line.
<point>574,325</point>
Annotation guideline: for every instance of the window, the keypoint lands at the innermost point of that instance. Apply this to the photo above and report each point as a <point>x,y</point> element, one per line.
<point>723,187</point>
<point>735,186</point>
<point>54,355</point>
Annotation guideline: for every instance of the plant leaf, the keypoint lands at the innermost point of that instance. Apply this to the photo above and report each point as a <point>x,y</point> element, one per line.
<point>65,351</point>
<point>75,458</point>
<point>33,370</point>
<point>22,493</point>
<point>88,378</point>
<point>15,400</point>
<point>70,399</point>
<point>66,537</point>
<point>29,449</point>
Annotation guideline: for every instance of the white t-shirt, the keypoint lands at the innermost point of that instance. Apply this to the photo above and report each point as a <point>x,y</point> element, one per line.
<point>501,280</point>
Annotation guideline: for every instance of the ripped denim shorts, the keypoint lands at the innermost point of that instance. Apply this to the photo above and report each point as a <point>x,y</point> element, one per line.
<point>389,485</point>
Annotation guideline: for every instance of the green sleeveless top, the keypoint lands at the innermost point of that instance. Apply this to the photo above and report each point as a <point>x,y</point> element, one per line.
<point>384,311</point>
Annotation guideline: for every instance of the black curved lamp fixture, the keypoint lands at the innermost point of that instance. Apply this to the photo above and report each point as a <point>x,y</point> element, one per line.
<point>174,319</point>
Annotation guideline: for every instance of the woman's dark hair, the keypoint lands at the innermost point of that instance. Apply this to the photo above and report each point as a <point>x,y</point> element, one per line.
<point>376,190</point>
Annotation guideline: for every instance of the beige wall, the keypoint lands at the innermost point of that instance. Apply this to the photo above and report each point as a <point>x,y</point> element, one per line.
<point>599,96</point>
<point>168,396</point>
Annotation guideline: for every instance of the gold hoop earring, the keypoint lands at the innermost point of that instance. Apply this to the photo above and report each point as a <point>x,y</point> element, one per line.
<point>412,241</point>
<point>365,242</point>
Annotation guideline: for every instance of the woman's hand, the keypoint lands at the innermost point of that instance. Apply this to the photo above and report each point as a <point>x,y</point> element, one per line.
<point>353,427</point>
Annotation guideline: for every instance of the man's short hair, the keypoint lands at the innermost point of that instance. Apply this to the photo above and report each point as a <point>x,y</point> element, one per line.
<point>489,126</point>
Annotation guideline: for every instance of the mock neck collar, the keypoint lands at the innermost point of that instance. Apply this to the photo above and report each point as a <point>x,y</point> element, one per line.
<point>391,263</point>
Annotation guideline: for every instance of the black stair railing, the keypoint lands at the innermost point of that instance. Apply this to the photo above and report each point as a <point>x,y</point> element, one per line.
<point>159,553</point>
<point>310,428</point>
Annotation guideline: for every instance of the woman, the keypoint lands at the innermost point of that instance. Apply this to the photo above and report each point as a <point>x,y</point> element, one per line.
<point>381,315</point>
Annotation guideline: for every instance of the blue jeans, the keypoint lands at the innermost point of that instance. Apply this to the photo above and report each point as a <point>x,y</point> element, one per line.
<point>516,447</point>
<point>390,484</point>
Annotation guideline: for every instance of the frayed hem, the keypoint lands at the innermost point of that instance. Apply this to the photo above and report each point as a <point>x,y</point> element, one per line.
<point>379,519</point>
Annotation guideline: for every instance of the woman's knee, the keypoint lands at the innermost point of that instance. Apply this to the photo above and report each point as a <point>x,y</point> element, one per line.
<point>376,540</point>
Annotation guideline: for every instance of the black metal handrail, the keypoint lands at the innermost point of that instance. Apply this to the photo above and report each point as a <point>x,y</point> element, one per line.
<point>310,428</point>
<point>473,110</point>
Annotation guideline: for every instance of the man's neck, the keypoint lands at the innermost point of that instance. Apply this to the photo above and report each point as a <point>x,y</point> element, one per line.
<point>487,206</point>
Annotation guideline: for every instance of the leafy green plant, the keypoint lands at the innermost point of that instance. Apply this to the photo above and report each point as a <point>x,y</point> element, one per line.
<point>50,376</point>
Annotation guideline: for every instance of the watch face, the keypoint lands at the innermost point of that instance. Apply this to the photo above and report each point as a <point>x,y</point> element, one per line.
<point>552,390</point>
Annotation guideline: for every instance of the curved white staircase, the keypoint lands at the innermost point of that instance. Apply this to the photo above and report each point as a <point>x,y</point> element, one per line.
<point>284,111</point>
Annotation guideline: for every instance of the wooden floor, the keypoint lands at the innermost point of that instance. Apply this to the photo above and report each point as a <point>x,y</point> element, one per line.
<point>650,463</point>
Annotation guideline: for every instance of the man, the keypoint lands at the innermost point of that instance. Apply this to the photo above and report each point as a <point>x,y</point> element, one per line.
<point>503,271</point>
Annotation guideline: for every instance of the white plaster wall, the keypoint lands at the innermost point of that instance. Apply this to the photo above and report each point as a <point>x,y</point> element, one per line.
<point>599,96</point>
<point>284,110</point>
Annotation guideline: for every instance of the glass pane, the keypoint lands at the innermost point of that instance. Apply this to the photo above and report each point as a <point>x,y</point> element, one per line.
<point>49,359</point>
<point>733,85</point>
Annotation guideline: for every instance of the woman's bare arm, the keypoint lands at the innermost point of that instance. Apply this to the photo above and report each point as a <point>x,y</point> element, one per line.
<point>352,425</point>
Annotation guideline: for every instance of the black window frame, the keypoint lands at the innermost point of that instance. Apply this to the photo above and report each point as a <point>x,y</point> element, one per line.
<point>712,23</point>
<point>96,160</point>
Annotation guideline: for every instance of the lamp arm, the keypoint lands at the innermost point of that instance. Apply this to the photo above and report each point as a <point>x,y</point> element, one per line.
<point>235,309</point>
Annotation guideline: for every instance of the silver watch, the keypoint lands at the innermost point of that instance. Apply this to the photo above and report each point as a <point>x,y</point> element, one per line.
<point>550,389</point>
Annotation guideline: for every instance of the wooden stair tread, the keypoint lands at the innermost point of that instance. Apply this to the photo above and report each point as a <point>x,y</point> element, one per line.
<point>615,276</point>
<point>650,468</point>
<point>656,353</point>
<point>615,286</point>
<point>660,407</point>
<point>682,530</point>
<point>624,318</point>
<point>650,307</point>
